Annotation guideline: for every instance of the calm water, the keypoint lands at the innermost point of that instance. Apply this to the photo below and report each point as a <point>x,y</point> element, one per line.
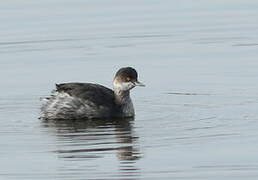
<point>196,119</point>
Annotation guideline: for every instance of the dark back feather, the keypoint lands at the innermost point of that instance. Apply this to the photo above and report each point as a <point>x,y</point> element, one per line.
<point>97,94</point>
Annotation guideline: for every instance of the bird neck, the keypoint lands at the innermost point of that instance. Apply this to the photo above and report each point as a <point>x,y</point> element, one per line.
<point>122,97</point>
<point>123,100</point>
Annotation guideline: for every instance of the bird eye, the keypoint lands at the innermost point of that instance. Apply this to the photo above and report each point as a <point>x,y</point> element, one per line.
<point>128,79</point>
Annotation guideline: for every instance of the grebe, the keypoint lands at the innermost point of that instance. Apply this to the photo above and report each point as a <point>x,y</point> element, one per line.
<point>93,101</point>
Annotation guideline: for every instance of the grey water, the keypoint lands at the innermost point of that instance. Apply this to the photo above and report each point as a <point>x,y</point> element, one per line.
<point>196,118</point>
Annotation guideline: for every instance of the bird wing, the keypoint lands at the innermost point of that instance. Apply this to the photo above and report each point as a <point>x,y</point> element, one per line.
<point>97,94</point>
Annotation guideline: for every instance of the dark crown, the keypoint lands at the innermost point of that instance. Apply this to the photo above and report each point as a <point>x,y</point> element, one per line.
<point>126,74</point>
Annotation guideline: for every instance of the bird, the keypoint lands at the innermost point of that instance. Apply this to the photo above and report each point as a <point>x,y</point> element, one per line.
<point>92,101</point>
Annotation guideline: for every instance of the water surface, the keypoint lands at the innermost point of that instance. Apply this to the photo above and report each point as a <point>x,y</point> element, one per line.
<point>195,119</point>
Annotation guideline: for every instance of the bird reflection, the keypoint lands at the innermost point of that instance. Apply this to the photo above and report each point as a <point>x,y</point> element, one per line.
<point>80,139</point>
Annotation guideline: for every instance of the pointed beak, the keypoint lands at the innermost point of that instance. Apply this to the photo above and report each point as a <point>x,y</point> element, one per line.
<point>137,83</point>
